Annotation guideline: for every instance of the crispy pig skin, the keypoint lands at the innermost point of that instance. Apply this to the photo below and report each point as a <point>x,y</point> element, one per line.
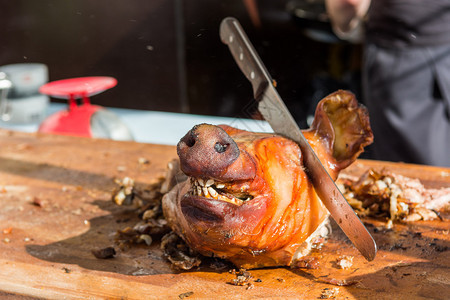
<point>276,207</point>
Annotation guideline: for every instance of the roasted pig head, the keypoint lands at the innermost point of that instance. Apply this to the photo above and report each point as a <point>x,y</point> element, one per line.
<point>247,197</point>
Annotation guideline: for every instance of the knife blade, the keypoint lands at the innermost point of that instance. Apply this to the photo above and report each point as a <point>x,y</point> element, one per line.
<point>273,109</point>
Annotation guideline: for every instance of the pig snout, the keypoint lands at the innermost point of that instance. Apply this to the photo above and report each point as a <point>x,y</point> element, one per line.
<point>207,151</point>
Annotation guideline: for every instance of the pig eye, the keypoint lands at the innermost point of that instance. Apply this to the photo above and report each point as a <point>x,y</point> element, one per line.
<point>220,148</point>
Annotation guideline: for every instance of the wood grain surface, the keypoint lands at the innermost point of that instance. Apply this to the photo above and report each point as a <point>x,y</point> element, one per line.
<point>55,196</point>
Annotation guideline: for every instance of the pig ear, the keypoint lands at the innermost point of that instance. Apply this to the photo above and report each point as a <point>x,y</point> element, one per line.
<point>344,126</point>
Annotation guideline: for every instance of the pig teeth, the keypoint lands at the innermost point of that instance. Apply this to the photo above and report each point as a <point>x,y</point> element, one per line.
<point>205,191</point>
<point>203,183</point>
<point>230,200</point>
<point>212,192</point>
<point>204,188</point>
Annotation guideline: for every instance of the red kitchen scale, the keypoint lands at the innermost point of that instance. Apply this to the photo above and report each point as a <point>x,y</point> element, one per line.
<point>85,120</point>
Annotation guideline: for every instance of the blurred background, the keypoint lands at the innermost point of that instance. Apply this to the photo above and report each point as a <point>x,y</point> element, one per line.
<point>167,55</point>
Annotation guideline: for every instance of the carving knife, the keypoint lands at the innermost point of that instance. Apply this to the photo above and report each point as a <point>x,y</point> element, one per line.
<point>273,109</point>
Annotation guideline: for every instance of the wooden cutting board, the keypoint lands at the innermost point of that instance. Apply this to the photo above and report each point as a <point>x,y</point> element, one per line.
<point>55,196</point>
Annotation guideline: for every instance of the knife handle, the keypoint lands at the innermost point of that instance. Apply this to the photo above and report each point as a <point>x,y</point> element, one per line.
<point>244,56</point>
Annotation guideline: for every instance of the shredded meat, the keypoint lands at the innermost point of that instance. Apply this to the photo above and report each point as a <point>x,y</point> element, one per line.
<point>396,197</point>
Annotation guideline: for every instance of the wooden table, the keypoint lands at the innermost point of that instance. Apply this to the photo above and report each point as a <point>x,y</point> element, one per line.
<point>55,196</point>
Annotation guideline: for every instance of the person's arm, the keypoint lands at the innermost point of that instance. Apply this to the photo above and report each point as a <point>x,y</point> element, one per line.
<point>347,16</point>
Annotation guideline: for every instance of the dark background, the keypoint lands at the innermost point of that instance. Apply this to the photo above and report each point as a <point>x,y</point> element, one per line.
<point>167,54</point>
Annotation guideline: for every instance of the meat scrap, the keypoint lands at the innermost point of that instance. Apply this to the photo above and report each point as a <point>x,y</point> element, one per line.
<point>141,233</point>
<point>147,202</point>
<point>328,293</point>
<point>345,262</point>
<point>125,193</point>
<point>399,198</point>
<point>7,230</point>
<point>178,253</point>
<point>185,295</point>
<point>104,253</point>
<point>152,225</point>
<point>38,202</point>
<point>308,262</point>
<point>243,278</point>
